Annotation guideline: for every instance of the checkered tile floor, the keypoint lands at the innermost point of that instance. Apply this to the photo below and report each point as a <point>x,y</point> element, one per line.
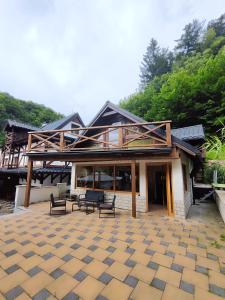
<point>78,256</point>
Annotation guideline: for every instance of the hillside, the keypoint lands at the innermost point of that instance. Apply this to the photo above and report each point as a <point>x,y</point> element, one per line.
<point>24,111</point>
<point>186,85</point>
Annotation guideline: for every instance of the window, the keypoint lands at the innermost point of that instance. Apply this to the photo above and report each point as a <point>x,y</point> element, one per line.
<point>104,177</point>
<point>111,178</point>
<point>114,134</point>
<point>85,177</point>
<point>184,171</point>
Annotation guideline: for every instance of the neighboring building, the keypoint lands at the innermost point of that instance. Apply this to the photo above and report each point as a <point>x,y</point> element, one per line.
<point>142,163</point>
<point>13,160</point>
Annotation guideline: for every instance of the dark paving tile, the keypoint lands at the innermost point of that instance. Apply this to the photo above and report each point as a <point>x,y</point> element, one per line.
<point>202,270</point>
<point>58,245</point>
<point>13,293</point>
<point>47,256</point>
<point>57,273</point>
<point>100,297</point>
<point>200,245</point>
<point>97,238</point>
<point>108,261</point>
<point>9,241</point>
<point>105,278</point>
<point>35,270</point>
<point>163,243</point>
<point>153,265</point>
<point>52,235</point>
<point>10,253</point>
<point>130,263</point>
<point>87,259</point>
<point>71,296</point>
<point>93,247</point>
<point>67,257</point>
<point>191,255</point>
<point>113,239</point>
<point>170,253</point>
<point>29,254</point>
<point>131,281</point>
<point>42,295</point>
<point>149,252</point>
<point>187,287</point>
<point>158,283</point>
<point>66,236</point>
<point>128,240</point>
<point>41,244</point>
<point>81,237</point>
<point>80,276</point>
<point>25,242</point>
<point>111,249</point>
<point>12,269</point>
<point>177,268</point>
<point>75,246</point>
<point>182,244</point>
<point>222,270</point>
<point>130,250</point>
<point>217,290</point>
<point>212,256</point>
<point>147,242</point>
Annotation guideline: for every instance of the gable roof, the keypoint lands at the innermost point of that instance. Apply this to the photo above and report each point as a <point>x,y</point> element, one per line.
<point>58,124</point>
<point>14,123</point>
<point>178,142</point>
<point>195,132</point>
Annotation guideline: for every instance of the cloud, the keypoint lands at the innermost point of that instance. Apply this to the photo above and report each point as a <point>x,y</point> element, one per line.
<point>74,55</point>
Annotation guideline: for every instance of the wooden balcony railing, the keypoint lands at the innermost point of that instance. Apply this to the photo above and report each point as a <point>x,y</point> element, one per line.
<point>110,137</point>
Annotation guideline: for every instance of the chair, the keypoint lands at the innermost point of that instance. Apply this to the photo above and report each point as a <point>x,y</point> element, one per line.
<point>108,207</point>
<point>90,199</point>
<point>57,203</point>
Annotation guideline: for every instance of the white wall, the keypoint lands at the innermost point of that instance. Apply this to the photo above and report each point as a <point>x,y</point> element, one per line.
<point>220,200</point>
<point>37,194</point>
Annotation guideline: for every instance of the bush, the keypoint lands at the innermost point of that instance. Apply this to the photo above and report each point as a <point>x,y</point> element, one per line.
<point>209,170</point>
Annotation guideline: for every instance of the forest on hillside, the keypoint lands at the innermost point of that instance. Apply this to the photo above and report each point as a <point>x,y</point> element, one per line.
<point>186,84</point>
<point>24,111</point>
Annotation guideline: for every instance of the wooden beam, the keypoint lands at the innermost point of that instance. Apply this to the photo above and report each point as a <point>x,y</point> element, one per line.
<point>168,134</point>
<point>28,186</point>
<point>168,191</point>
<point>133,187</point>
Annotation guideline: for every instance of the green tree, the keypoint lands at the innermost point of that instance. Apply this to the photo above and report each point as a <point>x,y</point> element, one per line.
<point>156,61</point>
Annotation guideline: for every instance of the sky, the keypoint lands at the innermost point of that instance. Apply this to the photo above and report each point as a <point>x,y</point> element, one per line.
<point>74,55</point>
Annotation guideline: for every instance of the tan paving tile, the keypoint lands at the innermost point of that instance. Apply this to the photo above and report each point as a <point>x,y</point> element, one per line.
<point>177,249</point>
<point>120,256</point>
<point>11,260</point>
<point>80,252</point>
<point>100,254</point>
<point>144,291</point>
<point>158,248</point>
<point>30,262</point>
<point>34,284</point>
<point>62,251</point>
<point>95,268</point>
<point>118,270</point>
<point>23,296</point>
<point>184,261</point>
<point>195,278</point>
<point>169,276</point>
<point>143,273</point>
<point>172,293</point>
<point>51,264</point>
<point>197,250</point>
<point>62,286</point>
<point>201,294</point>
<point>217,278</point>
<point>140,257</point>
<point>89,288</point>
<point>207,263</point>
<point>116,290</point>
<point>2,273</point>
<point>12,280</point>
<point>162,260</point>
<point>138,246</point>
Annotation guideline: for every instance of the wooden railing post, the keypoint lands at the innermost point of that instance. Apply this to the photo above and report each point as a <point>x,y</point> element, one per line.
<point>61,141</point>
<point>29,142</point>
<point>168,134</point>
<point>168,190</point>
<point>133,187</point>
<point>28,186</point>
<point>120,137</point>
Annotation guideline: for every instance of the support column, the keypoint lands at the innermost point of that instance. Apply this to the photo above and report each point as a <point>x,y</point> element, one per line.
<point>133,187</point>
<point>168,191</point>
<point>28,186</point>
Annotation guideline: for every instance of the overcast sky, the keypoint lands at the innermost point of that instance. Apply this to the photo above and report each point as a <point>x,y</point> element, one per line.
<point>73,55</point>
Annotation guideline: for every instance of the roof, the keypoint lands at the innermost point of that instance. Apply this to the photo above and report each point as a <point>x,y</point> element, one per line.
<point>179,142</point>
<point>50,170</point>
<point>195,132</point>
<point>14,123</point>
<point>58,124</point>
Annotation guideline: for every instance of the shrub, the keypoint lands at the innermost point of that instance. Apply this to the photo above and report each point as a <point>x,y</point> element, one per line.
<point>209,170</point>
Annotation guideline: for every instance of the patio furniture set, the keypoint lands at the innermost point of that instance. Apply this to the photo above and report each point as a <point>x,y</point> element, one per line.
<point>89,201</point>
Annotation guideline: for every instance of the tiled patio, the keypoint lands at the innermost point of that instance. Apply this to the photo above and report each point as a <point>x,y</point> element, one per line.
<point>80,256</point>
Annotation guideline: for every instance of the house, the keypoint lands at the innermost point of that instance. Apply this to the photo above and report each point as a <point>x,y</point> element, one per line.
<point>13,163</point>
<point>142,163</point>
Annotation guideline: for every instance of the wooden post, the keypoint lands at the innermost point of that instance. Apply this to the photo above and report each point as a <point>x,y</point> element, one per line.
<point>168,134</point>
<point>168,190</point>
<point>28,186</point>
<point>133,187</point>
<point>61,141</point>
<point>120,137</point>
